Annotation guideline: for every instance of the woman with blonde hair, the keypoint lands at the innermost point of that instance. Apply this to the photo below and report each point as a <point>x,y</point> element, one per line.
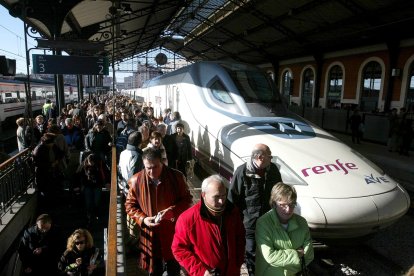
<point>284,245</point>
<point>80,256</point>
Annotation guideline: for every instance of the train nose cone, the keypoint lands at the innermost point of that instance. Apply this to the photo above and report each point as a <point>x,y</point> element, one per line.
<point>353,217</point>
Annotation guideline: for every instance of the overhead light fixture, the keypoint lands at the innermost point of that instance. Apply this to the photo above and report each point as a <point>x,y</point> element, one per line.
<point>127,8</point>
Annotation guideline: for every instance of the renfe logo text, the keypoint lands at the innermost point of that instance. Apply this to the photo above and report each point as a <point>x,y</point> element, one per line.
<point>338,166</point>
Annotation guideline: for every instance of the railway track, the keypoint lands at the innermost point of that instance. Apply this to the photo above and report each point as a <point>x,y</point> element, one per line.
<point>356,260</point>
<point>385,253</point>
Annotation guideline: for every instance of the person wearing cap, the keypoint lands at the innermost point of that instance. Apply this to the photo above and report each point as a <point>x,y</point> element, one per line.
<point>130,159</point>
<point>39,247</point>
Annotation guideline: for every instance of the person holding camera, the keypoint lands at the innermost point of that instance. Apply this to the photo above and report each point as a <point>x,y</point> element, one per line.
<point>209,237</point>
<point>156,197</point>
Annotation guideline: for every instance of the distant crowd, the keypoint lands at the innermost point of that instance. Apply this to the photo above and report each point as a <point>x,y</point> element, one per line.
<point>400,131</point>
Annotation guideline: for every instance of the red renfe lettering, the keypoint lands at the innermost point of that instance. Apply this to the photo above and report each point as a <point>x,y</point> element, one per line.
<point>337,166</point>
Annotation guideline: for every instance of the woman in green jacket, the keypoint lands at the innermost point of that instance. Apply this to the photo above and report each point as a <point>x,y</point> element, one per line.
<point>282,237</point>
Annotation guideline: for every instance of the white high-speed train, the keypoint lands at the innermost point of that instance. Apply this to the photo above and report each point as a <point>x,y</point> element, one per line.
<point>230,107</point>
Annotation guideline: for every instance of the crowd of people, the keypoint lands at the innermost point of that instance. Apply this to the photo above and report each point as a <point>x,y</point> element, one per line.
<point>251,222</point>
<point>401,130</point>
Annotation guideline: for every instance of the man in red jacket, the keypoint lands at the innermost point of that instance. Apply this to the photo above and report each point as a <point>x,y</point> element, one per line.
<point>209,237</point>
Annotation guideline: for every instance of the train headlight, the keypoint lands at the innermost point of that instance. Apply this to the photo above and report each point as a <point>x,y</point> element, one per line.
<point>289,176</point>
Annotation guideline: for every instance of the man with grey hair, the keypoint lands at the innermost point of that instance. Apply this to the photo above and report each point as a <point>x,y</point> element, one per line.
<point>250,190</point>
<point>209,237</point>
<point>107,124</point>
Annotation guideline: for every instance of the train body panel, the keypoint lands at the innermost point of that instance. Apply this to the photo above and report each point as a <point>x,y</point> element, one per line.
<point>227,109</point>
<point>13,96</point>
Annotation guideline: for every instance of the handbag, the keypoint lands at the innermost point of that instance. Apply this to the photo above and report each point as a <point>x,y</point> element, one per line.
<point>305,269</point>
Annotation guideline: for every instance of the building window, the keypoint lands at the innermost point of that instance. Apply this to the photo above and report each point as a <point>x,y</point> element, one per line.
<point>307,89</point>
<point>371,85</point>
<point>333,97</point>
<point>409,101</point>
<point>287,86</point>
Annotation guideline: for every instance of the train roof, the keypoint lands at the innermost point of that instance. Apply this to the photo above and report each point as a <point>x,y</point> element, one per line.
<point>21,80</point>
<point>183,70</point>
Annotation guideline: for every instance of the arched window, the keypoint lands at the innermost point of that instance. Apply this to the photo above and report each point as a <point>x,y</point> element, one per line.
<point>307,89</point>
<point>371,85</point>
<point>287,86</point>
<point>409,101</point>
<point>333,97</point>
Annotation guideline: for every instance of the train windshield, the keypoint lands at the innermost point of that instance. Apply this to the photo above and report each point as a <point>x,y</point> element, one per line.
<point>253,85</point>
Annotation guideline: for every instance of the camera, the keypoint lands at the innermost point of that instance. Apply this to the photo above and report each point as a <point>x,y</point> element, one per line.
<point>157,218</point>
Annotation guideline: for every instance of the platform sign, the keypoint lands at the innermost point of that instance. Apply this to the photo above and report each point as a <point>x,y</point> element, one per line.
<point>71,65</point>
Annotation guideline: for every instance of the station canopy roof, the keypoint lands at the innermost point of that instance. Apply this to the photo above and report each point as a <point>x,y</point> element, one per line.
<point>252,31</point>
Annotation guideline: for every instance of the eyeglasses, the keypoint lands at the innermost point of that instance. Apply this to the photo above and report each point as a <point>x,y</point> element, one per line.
<point>262,156</point>
<point>79,242</point>
<point>286,205</point>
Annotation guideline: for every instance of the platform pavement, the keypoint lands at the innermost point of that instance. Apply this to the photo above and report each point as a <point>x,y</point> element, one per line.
<point>399,167</point>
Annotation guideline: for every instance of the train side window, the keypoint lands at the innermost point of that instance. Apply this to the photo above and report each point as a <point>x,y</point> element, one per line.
<point>220,93</point>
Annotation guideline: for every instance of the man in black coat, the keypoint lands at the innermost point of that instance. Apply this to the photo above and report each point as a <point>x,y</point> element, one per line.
<point>40,248</point>
<point>250,190</point>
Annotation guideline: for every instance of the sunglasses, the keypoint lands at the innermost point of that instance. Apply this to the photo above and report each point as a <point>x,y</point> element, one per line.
<point>79,242</point>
